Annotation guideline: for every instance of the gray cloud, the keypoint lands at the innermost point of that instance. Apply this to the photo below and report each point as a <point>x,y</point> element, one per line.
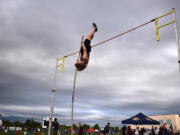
<point>130,74</point>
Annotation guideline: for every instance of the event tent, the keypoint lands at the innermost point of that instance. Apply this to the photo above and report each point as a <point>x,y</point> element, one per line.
<point>140,119</point>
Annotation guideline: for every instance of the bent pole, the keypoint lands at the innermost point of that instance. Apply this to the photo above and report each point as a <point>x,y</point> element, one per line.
<point>177,37</point>
<point>72,109</point>
<point>52,101</point>
<point>73,92</point>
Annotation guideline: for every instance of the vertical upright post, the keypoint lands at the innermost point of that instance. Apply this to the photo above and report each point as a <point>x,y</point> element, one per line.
<point>177,36</point>
<point>73,92</point>
<point>157,29</point>
<point>52,100</point>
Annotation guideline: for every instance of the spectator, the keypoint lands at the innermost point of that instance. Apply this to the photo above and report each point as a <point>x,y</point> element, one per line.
<point>142,131</point>
<point>156,131</point>
<point>107,129</point>
<point>152,130</point>
<point>31,131</point>
<point>137,131</point>
<point>5,130</point>
<point>129,132</point>
<point>55,126</point>
<point>1,123</point>
<point>124,130</point>
<point>161,131</point>
<point>146,131</point>
<point>165,131</point>
<point>171,130</point>
<point>80,130</point>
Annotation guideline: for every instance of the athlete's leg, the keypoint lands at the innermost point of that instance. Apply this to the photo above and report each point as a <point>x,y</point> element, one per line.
<point>91,34</point>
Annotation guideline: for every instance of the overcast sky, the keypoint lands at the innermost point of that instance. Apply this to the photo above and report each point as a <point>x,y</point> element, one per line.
<point>130,74</point>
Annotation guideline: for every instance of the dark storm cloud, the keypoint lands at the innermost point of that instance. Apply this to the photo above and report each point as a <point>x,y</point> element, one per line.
<point>127,75</point>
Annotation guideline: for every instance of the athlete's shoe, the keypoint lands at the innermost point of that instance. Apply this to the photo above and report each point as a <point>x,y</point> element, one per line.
<point>94,25</point>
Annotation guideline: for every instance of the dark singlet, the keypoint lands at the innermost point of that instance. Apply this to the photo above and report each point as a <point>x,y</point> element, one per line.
<point>88,47</point>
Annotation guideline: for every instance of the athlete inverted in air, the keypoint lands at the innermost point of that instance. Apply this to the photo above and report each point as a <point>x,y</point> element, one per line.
<point>85,50</point>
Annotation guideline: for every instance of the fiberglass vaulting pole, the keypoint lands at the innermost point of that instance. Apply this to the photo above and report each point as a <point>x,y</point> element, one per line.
<point>52,101</point>
<point>72,107</point>
<point>73,92</point>
<point>177,37</point>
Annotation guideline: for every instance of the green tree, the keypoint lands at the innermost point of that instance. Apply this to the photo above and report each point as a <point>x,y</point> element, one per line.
<point>30,123</point>
<point>7,123</point>
<point>86,126</point>
<point>18,124</point>
<point>96,126</point>
<point>75,127</point>
<point>112,128</point>
<point>116,129</point>
<point>63,127</point>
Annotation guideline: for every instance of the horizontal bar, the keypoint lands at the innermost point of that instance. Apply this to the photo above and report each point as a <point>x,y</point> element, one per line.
<point>166,14</point>
<point>121,34</point>
<point>166,24</point>
<point>57,59</point>
<point>57,66</point>
<point>60,58</point>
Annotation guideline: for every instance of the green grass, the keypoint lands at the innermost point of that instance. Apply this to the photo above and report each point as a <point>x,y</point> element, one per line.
<point>27,133</point>
<point>22,133</point>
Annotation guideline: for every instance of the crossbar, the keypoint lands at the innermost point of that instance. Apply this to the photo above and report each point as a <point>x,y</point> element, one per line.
<point>166,24</point>
<point>166,14</point>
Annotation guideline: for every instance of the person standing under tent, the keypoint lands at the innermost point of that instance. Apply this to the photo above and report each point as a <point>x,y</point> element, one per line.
<point>55,126</point>
<point>85,50</point>
<point>171,130</point>
<point>137,131</point>
<point>152,130</point>
<point>156,131</point>
<point>129,131</point>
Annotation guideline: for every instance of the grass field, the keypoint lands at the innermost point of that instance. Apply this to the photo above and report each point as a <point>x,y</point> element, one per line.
<point>27,133</point>
<point>22,133</point>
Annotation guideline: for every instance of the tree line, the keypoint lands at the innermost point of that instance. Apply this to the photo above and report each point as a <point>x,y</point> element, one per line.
<point>29,123</point>
<point>32,124</point>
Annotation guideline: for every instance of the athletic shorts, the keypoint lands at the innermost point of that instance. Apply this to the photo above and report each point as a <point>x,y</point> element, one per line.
<point>87,43</point>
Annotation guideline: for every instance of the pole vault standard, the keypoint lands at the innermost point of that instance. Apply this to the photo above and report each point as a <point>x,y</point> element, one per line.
<point>121,34</point>
<point>176,30</point>
<point>53,93</point>
<point>52,103</point>
<point>177,36</point>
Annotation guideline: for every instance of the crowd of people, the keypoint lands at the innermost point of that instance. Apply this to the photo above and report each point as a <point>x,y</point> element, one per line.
<point>125,130</point>
<point>162,130</point>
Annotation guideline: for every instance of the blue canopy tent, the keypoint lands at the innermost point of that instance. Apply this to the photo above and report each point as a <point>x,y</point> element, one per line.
<point>140,119</point>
